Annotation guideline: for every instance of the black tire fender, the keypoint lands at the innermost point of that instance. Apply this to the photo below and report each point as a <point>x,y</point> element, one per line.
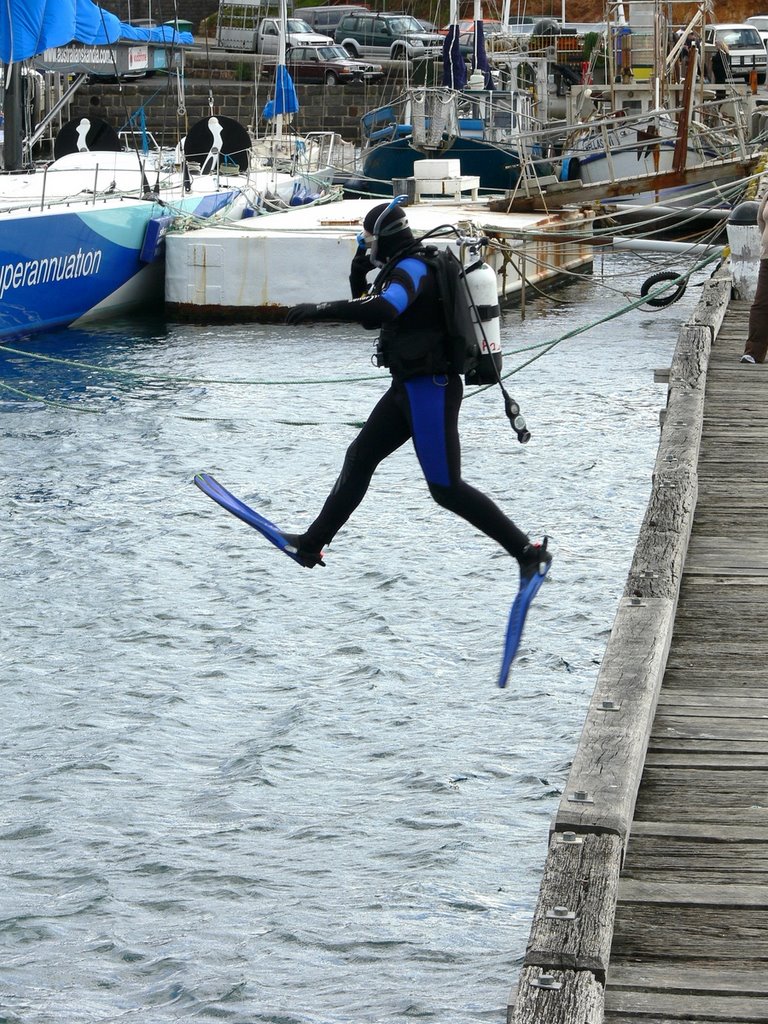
<point>660,301</point>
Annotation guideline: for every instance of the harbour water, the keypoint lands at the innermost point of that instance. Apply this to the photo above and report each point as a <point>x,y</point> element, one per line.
<point>236,790</point>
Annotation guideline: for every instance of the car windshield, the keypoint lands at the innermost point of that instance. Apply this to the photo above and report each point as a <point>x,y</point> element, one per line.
<point>405,25</point>
<point>735,38</point>
<point>332,53</point>
<point>297,25</point>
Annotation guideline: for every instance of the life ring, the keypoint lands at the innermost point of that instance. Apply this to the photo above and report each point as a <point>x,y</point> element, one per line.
<point>664,300</point>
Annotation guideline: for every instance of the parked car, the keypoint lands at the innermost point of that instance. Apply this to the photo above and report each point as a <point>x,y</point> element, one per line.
<point>297,33</point>
<point>329,64</point>
<point>746,50</point>
<point>326,19</point>
<point>394,36</point>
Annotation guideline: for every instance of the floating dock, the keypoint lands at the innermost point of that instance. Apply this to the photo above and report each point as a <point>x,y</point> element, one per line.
<point>257,268</point>
<point>653,905</point>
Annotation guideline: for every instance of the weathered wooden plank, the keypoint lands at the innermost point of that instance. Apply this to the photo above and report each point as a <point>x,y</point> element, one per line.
<point>719,696</point>
<point>654,1006</point>
<point>684,744</point>
<point>720,872</point>
<point>693,895</point>
<point>676,808</point>
<point>697,759</point>
<point>603,781</point>
<point>751,645</point>
<point>652,932</point>
<point>578,1000</point>
<point>736,729</point>
<point>682,978</point>
<point>573,920</point>
<point>715,710</point>
<point>742,673</point>
<point>720,834</point>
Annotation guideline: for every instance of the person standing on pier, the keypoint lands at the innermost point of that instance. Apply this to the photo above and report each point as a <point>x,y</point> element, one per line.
<point>423,400</point>
<point>756,345</point>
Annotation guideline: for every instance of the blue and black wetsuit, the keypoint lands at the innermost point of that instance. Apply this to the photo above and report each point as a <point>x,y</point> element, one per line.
<point>422,403</point>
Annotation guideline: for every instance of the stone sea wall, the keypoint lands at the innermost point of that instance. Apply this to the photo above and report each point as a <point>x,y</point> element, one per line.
<point>322,108</point>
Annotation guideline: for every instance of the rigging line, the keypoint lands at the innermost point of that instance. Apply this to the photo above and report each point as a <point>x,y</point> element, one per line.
<point>596,323</point>
<point>51,402</point>
<point>162,379</point>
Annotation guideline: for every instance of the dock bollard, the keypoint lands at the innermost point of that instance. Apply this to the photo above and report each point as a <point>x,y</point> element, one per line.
<point>744,243</point>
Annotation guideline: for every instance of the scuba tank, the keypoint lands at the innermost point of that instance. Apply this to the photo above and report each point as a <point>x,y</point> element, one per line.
<point>482,297</point>
<point>480,289</point>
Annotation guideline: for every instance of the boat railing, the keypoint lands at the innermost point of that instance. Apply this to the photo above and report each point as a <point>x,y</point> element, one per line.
<point>715,125</point>
<point>51,186</point>
<point>432,117</point>
<point>322,150</point>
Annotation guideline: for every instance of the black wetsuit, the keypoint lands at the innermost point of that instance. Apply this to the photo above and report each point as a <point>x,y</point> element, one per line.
<point>422,403</point>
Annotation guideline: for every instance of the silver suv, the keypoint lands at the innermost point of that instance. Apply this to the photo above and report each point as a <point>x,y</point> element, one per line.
<point>394,36</point>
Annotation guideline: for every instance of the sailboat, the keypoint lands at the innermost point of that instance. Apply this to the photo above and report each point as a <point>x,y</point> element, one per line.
<point>488,127</point>
<point>83,237</point>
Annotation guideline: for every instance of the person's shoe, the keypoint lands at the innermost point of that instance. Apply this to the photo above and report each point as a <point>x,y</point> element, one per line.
<point>746,358</point>
<point>309,559</point>
<point>534,561</point>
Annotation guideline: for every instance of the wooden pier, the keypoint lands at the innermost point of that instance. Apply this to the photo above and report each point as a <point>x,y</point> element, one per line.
<point>653,907</point>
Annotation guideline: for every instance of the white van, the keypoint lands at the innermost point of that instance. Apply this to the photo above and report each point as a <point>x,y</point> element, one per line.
<point>760,21</point>
<point>746,49</point>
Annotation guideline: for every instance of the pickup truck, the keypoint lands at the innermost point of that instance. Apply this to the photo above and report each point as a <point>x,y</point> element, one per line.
<point>298,34</point>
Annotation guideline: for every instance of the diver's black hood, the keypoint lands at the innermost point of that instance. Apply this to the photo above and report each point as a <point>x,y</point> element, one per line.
<point>389,227</point>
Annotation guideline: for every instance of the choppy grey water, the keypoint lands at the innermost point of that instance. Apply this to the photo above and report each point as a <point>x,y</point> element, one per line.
<point>234,790</point>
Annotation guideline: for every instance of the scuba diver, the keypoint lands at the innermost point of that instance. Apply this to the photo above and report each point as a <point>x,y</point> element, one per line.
<point>423,400</point>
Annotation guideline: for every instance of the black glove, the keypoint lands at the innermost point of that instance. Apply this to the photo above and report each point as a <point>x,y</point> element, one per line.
<point>301,313</point>
<point>359,269</point>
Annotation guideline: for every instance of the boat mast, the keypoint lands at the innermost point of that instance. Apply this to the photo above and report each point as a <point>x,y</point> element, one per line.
<point>282,35</point>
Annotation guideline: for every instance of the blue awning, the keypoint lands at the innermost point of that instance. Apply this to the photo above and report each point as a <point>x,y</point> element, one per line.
<point>28,27</point>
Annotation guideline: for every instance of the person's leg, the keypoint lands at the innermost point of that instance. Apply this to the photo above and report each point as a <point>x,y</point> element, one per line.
<point>434,404</point>
<point>757,338</point>
<point>386,429</point>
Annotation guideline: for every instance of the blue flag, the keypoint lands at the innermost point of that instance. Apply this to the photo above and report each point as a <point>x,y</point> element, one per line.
<point>286,101</point>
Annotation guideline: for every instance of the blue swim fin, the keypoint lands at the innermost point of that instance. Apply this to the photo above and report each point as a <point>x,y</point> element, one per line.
<point>529,587</point>
<point>210,486</point>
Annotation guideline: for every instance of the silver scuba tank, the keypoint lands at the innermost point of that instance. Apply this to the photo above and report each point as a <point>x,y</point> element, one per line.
<point>482,296</point>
